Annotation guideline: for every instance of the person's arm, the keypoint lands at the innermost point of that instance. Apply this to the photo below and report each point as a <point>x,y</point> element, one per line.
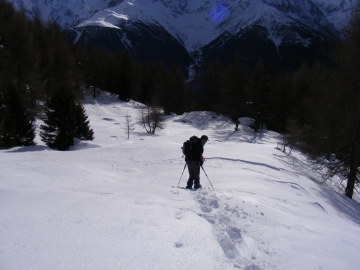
<point>202,159</point>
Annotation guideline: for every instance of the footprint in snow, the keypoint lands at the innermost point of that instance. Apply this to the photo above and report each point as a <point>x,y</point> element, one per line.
<point>223,219</point>
<point>108,119</point>
<point>178,244</point>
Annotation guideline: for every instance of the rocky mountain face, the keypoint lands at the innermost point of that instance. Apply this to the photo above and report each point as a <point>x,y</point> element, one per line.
<point>283,33</point>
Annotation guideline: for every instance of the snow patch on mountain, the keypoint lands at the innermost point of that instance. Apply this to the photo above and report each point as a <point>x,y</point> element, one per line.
<point>105,18</point>
<point>196,23</point>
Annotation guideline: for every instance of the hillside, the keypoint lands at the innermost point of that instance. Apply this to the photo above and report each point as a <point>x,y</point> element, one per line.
<point>114,203</point>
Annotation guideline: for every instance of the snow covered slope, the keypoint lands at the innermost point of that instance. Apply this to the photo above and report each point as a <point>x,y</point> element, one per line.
<point>65,13</point>
<point>114,203</point>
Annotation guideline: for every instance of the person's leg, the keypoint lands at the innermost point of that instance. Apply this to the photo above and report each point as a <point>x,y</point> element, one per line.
<point>192,168</point>
<point>197,176</point>
<point>190,181</point>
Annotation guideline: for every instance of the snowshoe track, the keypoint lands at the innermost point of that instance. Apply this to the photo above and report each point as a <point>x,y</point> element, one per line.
<point>228,228</point>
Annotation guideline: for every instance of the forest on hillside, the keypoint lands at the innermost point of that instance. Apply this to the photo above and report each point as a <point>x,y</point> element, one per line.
<point>316,107</point>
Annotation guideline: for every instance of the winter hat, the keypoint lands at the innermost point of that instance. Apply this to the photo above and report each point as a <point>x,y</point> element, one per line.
<point>204,137</point>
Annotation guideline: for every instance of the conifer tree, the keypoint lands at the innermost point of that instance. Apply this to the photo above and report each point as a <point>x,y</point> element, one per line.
<point>151,72</point>
<point>327,108</point>
<point>59,127</point>
<point>82,129</point>
<point>211,79</point>
<point>350,89</point>
<point>17,125</point>
<point>233,89</point>
<point>258,91</point>
<point>280,86</point>
<point>178,90</point>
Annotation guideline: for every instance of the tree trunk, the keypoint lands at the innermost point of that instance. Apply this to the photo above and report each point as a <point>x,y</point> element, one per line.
<point>353,169</point>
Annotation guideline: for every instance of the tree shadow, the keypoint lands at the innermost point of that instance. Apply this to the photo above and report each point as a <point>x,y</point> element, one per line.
<point>22,149</point>
<point>346,207</point>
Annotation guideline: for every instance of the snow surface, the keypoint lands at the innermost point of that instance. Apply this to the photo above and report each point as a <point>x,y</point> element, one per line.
<point>114,203</point>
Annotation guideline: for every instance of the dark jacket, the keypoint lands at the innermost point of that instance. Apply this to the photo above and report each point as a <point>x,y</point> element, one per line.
<point>196,152</point>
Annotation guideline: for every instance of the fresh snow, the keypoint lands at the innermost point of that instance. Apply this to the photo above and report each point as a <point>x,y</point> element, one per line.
<point>106,18</point>
<point>114,203</point>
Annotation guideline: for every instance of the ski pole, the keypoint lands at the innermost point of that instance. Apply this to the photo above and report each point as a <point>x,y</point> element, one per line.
<point>182,174</point>
<point>207,177</point>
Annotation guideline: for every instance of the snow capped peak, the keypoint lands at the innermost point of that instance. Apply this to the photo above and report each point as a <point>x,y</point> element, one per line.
<point>196,23</point>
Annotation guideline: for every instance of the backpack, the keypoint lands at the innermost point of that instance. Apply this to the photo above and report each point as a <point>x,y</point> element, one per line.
<point>187,145</point>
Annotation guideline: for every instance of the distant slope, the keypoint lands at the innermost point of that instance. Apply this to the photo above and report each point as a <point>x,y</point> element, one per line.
<point>144,42</point>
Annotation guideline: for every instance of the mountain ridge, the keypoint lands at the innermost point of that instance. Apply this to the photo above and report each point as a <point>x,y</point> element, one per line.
<point>195,25</point>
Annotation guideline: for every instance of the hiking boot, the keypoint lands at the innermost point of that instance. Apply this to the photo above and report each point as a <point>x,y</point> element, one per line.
<point>188,187</point>
<point>199,186</point>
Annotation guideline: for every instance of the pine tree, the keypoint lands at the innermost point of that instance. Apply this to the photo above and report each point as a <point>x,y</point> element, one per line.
<point>350,69</point>
<point>233,89</point>
<point>17,125</point>
<point>211,80</point>
<point>280,87</point>
<point>82,130</point>
<point>259,92</point>
<point>59,127</point>
<point>326,104</point>
<point>151,73</point>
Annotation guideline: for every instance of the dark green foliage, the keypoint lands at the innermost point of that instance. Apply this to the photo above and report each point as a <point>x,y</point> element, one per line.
<point>233,94</point>
<point>65,120</point>
<point>16,124</point>
<point>18,54</point>
<point>258,93</point>
<point>82,126</point>
<point>151,74</point>
<point>170,90</point>
<point>34,57</point>
<point>60,123</point>
<point>280,88</point>
<point>211,81</point>
<point>59,127</point>
<point>327,108</point>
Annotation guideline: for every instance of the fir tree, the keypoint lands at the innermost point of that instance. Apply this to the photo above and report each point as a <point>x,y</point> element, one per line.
<point>17,126</point>
<point>82,130</point>
<point>59,129</point>
<point>259,93</point>
<point>233,89</point>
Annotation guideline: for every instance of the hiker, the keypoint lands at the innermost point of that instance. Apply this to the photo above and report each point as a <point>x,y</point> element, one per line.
<point>194,160</point>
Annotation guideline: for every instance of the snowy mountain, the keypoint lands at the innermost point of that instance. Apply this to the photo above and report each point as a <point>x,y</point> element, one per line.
<point>114,203</point>
<point>273,30</point>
